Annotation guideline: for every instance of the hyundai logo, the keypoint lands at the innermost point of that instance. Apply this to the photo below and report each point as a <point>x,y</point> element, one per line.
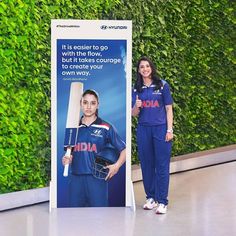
<point>103,27</point>
<point>120,27</point>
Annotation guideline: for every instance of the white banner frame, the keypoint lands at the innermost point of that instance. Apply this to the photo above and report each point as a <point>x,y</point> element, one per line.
<point>90,29</point>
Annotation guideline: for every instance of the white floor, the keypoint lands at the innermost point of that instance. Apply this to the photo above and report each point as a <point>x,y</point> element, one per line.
<point>202,203</point>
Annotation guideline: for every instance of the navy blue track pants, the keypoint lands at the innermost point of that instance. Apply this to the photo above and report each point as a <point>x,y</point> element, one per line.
<point>154,155</point>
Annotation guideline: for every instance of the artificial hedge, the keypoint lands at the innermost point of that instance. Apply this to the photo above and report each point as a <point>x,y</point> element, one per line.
<point>190,41</point>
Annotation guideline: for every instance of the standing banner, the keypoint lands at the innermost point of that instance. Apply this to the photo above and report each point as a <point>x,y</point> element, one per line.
<point>92,57</point>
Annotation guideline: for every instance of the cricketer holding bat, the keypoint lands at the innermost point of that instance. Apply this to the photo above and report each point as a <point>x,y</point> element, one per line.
<point>85,190</point>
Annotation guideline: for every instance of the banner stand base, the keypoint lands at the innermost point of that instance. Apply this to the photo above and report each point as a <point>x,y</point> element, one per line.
<point>50,197</point>
<point>133,206</point>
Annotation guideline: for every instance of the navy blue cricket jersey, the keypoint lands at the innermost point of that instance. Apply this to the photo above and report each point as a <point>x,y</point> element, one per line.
<point>91,140</point>
<point>154,100</point>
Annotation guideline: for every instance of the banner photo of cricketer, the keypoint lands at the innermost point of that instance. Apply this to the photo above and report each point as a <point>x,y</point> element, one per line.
<point>91,113</point>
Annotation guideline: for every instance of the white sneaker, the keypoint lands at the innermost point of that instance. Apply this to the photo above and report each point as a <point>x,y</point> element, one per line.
<point>150,204</point>
<point>161,209</point>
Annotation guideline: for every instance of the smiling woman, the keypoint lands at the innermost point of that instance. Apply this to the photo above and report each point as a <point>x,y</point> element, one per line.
<point>152,103</point>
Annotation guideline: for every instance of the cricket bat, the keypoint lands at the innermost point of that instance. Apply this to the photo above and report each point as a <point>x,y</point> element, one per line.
<point>72,123</point>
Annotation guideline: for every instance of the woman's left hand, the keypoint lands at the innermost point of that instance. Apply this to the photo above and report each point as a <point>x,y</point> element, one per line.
<point>113,169</point>
<point>169,136</point>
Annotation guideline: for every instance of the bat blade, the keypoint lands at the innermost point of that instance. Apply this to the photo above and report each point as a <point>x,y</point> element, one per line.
<point>72,122</point>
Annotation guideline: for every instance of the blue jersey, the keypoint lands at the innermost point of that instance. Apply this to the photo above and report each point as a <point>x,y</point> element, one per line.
<point>91,140</point>
<point>154,100</point>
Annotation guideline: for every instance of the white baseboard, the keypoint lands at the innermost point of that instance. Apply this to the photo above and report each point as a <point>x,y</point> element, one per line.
<point>23,198</point>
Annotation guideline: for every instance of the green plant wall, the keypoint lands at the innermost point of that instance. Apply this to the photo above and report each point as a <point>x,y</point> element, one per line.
<point>191,43</point>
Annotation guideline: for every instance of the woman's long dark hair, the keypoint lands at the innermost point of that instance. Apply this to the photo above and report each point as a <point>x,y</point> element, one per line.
<point>155,78</point>
<point>91,92</point>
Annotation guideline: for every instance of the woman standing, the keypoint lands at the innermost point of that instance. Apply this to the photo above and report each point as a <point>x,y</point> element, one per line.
<point>152,103</point>
<point>94,135</point>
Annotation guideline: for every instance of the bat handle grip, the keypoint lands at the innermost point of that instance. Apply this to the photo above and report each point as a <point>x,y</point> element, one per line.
<point>66,167</point>
<point>66,170</point>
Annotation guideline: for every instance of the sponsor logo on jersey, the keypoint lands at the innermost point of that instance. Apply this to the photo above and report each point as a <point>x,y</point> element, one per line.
<point>150,103</point>
<point>85,147</point>
<point>156,92</point>
<point>97,133</point>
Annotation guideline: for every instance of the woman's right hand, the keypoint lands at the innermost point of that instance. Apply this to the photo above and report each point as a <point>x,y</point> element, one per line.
<point>136,108</point>
<point>138,102</point>
<point>66,160</point>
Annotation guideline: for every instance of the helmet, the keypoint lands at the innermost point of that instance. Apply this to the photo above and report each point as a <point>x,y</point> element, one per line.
<point>108,156</point>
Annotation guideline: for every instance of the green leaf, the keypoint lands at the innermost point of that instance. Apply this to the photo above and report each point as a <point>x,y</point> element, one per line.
<point>161,19</point>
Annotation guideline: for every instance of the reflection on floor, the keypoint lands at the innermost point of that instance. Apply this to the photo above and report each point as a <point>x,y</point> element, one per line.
<point>202,202</point>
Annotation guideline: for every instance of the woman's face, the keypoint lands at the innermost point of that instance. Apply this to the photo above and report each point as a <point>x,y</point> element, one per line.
<point>89,105</point>
<point>145,69</point>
